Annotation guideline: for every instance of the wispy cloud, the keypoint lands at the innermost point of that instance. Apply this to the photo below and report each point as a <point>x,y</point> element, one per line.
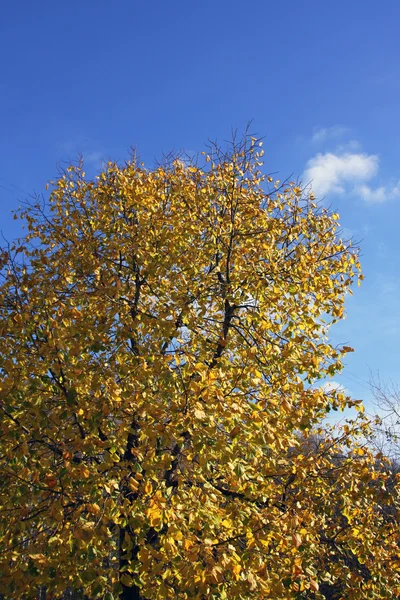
<point>333,173</point>
<point>323,134</point>
<point>379,194</point>
<point>382,249</point>
<point>388,286</point>
<point>93,157</point>
<point>83,147</point>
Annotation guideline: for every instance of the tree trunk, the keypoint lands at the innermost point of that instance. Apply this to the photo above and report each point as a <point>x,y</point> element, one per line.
<point>130,593</point>
<point>133,592</point>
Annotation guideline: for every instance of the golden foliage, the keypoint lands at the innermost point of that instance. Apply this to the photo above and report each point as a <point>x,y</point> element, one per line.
<point>161,333</point>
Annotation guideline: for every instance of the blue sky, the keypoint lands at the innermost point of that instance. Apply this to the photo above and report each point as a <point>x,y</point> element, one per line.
<point>321,81</point>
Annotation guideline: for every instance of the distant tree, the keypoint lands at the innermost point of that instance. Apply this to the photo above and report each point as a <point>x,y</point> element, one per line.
<point>387,422</point>
<point>160,334</point>
<point>381,477</point>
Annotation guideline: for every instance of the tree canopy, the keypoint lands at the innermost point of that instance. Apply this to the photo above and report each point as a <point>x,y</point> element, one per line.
<point>162,334</point>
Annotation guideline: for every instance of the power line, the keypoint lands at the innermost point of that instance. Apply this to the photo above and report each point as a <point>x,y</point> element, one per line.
<point>9,184</point>
<point>353,377</point>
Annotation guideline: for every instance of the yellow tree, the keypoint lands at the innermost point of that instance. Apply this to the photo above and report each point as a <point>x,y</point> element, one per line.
<point>161,332</point>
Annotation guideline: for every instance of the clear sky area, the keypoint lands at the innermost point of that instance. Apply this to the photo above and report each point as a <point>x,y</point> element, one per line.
<point>319,80</point>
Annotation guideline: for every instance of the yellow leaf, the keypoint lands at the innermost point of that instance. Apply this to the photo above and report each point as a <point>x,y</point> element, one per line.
<point>200,414</point>
<point>347,349</point>
<point>126,579</point>
<point>154,515</point>
<point>133,484</point>
<point>236,570</point>
<point>296,540</point>
<point>148,488</point>
<point>94,509</point>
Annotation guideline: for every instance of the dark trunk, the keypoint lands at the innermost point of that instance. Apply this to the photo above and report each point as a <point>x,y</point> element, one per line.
<point>130,593</point>
<point>133,592</point>
<point>126,558</point>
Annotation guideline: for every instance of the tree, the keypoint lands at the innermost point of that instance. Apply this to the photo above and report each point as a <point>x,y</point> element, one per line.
<point>161,332</point>
<point>387,422</point>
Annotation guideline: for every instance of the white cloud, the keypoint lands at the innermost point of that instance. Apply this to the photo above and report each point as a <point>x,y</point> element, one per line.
<point>379,194</point>
<point>332,173</point>
<point>345,169</point>
<point>352,146</point>
<point>323,134</point>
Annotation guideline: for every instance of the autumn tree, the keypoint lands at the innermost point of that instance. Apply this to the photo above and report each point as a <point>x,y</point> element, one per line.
<point>161,334</point>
